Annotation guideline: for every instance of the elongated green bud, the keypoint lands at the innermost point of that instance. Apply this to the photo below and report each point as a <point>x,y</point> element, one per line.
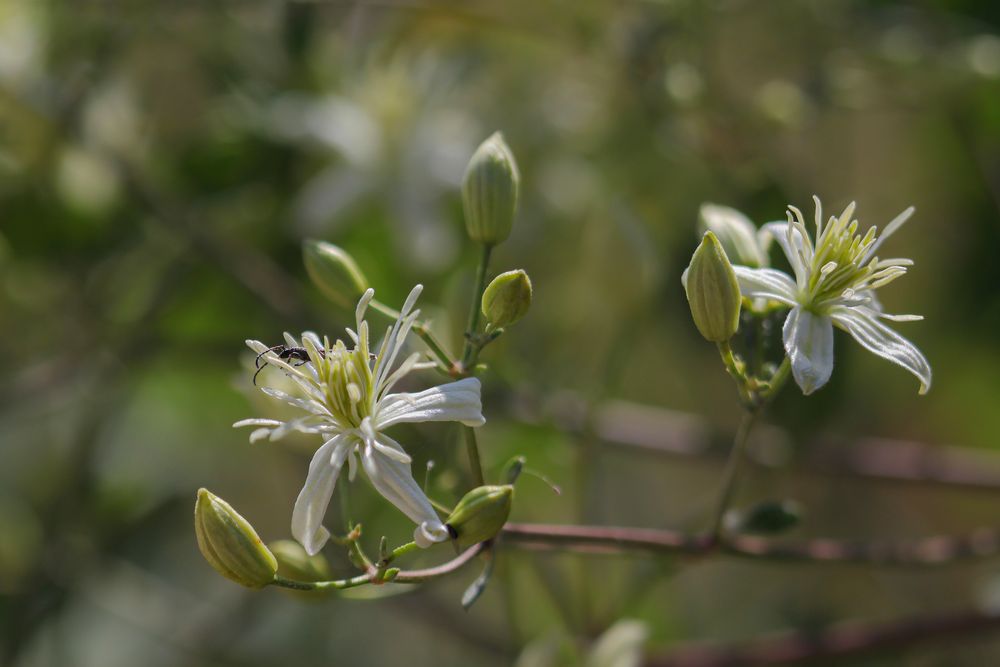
<point>229,543</point>
<point>490,191</point>
<point>295,563</point>
<point>712,291</point>
<point>480,514</point>
<point>507,298</point>
<point>334,272</point>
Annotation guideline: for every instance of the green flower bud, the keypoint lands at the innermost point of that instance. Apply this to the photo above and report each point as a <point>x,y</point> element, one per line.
<point>739,237</point>
<point>712,291</point>
<point>295,563</point>
<point>490,191</point>
<point>229,543</point>
<point>334,272</point>
<point>507,298</point>
<point>480,514</point>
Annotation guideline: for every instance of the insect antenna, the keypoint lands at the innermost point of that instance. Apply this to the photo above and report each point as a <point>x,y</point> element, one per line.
<point>259,366</point>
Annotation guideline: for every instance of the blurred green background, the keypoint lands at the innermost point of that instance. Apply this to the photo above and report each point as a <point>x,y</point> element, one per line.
<point>161,162</point>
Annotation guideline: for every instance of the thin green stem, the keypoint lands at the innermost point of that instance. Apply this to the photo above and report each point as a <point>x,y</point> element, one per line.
<point>734,370</point>
<point>380,307</point>
<point>439,506</point>
<point>403,577</point>
<point>337,584</point>
<point>731,473</point>
<point>422,331</point>
<point>472,447</point>
<point>403,550</point>
<point>432,343</point>
<point>777,381</point>
<point>472,330</point>
<point>472,347</point>
<point>359,553</point>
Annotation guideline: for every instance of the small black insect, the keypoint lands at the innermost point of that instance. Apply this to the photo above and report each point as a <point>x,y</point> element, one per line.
<point>299,354</point>
<point>284,352</point>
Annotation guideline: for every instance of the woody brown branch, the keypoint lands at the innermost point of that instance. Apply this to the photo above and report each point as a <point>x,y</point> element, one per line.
<point>923,551</point>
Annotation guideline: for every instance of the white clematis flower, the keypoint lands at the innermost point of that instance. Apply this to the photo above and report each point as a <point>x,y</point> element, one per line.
<point>344,393</point>
<point>834,284</point>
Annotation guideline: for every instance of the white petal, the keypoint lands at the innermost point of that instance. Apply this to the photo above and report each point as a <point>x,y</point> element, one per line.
<point>876,337</point>
<point>900,318</point>
<point>313,338</point>
<point>273,359</point>
<point>889,230</point>
<point>390,448</point>
<point>256,422</point>
<point>359,312</point>
<point>405,368</point>
<point>735,232</point>
<point>383,365</point>
<point>394,339</point>
<point>257,346</point>
<point>310,506</point>
<point>306,424</point>
<point>456,401</point>
<point>411,299</point>
<point>394,480</point>
<point>809,345</point>
<point>764,243</point>
<point>794,253</point>
<point>766,283</point>
<point>315,407</point>
<point>259,434</point>
<point>352,463</point>
<point>429,532</point>
<point>309,387</point>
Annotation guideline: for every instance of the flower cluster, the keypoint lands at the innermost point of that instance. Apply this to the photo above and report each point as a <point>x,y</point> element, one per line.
<point>344,393</point>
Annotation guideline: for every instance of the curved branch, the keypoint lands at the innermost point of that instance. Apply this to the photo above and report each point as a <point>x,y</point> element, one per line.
<point>372,575</point>
<point>455,564</point>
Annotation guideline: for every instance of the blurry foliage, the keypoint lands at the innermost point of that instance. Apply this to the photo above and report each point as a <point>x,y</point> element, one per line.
<point>160,164</point>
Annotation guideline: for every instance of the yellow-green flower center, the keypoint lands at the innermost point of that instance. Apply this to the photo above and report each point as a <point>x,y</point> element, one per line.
<point>346,380</point>
<point>842,266</point>
<point>839,262</point>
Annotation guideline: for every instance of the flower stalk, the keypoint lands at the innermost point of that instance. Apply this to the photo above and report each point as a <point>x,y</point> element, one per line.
<point>471,351</point>
<point>422,330</point>
<point>473,342</point>
<point>732,471</point>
